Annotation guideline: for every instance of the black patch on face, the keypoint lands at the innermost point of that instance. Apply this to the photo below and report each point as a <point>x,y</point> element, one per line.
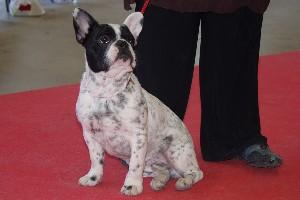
<point>126,35</point>
<point>96,44</point>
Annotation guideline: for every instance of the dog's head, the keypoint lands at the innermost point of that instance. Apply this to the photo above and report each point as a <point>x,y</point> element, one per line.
<point>107,44</point>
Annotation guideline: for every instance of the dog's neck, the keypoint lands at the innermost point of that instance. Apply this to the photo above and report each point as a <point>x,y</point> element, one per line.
<point>106,84</point>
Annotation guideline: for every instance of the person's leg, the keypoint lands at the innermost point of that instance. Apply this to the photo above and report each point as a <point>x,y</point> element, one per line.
<point>165,55</point>
<point>228,80</point>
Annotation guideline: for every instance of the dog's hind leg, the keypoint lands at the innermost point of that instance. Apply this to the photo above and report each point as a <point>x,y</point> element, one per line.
<point>183,159</point>
<point>188,180</point>
<point>161,176</point>
<point>191,175</point>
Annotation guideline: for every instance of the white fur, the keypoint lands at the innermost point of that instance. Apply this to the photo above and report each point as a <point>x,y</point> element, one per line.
<point>116,28</point>
<point>135,132</point>
<point>133,22</point>
<point>111,55</point>
<point>83,22</point>
<point>119,117</point>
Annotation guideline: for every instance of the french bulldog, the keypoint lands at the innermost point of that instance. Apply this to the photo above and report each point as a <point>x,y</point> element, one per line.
<point>121,118</point>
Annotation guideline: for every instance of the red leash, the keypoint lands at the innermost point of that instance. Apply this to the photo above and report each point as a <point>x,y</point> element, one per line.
<point>146,3</point>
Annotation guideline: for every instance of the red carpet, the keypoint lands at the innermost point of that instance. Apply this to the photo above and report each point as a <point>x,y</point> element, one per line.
<point>42,152</point>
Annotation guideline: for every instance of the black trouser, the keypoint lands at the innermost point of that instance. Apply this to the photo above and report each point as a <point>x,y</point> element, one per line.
<point>229,55</point>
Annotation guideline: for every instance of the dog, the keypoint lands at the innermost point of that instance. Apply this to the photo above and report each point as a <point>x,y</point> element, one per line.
<point>121,118</point>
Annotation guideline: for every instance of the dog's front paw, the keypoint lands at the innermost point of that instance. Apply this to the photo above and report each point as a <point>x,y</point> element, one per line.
<point>132,190</point>
<point>89,180</point>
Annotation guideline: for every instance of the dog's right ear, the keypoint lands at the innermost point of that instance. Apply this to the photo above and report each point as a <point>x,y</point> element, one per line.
<point>82,22</point>
<point>134,22</point>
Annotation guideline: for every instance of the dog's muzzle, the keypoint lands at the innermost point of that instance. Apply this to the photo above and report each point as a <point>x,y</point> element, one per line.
<point>124,51</point>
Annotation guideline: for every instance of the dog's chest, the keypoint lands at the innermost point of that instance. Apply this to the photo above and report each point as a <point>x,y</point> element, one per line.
<point>108,121</point>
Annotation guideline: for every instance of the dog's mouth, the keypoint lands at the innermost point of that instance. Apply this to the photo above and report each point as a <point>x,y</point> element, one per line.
<point>116,71</point>
<point>124,55</point>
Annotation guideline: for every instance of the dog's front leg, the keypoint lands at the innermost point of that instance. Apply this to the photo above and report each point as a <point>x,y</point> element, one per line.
<point>96,152</point>
<point>133,184</point>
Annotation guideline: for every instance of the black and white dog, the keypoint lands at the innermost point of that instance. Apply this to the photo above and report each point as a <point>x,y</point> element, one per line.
<point>118,116</point>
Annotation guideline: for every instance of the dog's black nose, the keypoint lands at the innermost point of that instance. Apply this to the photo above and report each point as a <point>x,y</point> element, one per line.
<point>121,44</point>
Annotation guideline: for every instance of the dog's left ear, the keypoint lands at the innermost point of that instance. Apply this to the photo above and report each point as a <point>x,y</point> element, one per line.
<point>135,23</point>
<point>82,22</point>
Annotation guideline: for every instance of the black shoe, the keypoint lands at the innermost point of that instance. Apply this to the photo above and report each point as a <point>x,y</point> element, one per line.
<point>261,156</point>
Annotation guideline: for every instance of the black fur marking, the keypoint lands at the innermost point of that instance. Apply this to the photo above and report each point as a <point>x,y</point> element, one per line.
<point>112,138</point>
<point>147,173</point>
<point>140,146</point>
<point>93,178</point>
<point>141,134</point>
<point>101,162</point>
<point>122,100</point>
<point>126,35</point>
<point>141,103</point>
<point>97,116</point>
<point>115,119</point>
<point>93,129</point>
<point>108,111</point>
<point>124,51</point>
<point>129,187</point>
<point>96,49</point>
<point>168,139</point>
<point>130,87</point>
<point>140,141</point>
<point>137,120</point>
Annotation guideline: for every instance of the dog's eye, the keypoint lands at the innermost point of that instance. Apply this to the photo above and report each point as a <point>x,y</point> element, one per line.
<point>104,39</point>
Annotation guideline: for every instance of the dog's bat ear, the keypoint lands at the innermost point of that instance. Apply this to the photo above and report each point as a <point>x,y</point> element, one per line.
<point>82,22</point>
<point>135,23</point>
